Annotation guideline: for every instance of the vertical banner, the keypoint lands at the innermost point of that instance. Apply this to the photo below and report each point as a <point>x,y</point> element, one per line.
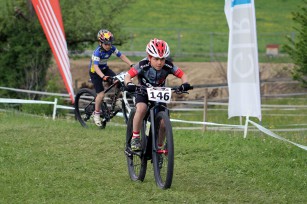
<point>242,66</point>
<point>49,15</point>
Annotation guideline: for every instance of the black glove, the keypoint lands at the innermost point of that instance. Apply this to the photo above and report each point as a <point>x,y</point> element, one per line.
<point>108,79</point>
<point>184,87</point>
<point>130,87</point>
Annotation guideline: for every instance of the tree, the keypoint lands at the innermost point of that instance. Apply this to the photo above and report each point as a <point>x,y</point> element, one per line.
<point>298,48</point>
<point>25,55</point>
<point>83,20</point>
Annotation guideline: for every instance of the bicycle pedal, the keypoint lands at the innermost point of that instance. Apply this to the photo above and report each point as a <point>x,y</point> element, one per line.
<point>128,153</point>
<point>138,153</point>
<point>131,152</point>
<point>86,118</point>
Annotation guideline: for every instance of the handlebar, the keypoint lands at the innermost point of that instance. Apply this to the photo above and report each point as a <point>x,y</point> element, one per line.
<point>177,91</point>
<point>142,90</point>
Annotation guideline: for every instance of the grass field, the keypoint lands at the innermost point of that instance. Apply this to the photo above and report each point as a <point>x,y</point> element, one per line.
<point>45,161</point>
<point>198,27</point>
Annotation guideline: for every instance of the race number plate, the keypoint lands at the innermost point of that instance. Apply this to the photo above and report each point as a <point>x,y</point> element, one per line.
<point>121,76</point>
<point>159,94</point>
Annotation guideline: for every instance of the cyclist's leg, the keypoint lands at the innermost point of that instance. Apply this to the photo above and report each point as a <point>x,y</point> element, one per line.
<point>141,108</point>
<point>97,82</point>
<point>137,163</point>
<point>108,72</point>
<point>98,101</point>
<point>139,116</point>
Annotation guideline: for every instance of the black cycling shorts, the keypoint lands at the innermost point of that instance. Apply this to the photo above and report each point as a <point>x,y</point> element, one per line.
<point>97,80</point>
<point>141,98</point>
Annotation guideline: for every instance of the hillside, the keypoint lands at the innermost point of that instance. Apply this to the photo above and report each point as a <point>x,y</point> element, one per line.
<point>200,27</point>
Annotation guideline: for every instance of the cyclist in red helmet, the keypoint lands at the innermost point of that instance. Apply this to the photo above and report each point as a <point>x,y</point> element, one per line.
<point>152,71</point>
<point>99,70</point>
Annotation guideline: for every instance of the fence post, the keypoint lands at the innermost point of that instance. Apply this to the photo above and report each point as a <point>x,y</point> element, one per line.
<point>54,108</point>
<point>205,109</point>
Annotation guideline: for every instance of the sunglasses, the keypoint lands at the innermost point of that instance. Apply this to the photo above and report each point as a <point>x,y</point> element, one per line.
<point>157,58</point>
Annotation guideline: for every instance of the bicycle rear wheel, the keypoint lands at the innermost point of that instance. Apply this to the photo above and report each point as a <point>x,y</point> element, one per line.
<point>163,156</point>
<point>136,161</point>
<point>84,105</point>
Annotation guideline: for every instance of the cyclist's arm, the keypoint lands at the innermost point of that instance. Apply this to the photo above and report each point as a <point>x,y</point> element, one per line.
<point>120,55</point>
<point>180,74</point>
<point>184,79</point>
<point>98,71</point>
<point>127,79</point>
<point>125,59</point>
<point>130,74</point>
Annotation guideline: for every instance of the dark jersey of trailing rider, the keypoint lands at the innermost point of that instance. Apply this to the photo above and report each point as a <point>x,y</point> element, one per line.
<point>150,77</point>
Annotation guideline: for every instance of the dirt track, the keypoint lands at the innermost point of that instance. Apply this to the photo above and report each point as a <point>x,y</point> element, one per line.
<point>200,73</point>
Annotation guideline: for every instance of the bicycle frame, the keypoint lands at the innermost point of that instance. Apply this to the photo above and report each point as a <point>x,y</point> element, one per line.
<point>111,112</point>
<point>85,102</point>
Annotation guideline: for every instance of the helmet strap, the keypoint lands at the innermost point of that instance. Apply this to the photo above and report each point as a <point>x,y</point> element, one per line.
<point>101,47</point>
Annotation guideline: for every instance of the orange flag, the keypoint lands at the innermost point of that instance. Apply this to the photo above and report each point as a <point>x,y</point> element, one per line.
<point>49,15</point>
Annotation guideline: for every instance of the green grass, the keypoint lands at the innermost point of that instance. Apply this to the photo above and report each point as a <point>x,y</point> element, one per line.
<point>46,161</point>
<point>197,30</point>
<point>272,117</point>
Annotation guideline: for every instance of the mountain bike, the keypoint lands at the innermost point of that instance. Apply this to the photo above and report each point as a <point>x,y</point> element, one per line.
<point>119,101</point>
<point>156,138</point>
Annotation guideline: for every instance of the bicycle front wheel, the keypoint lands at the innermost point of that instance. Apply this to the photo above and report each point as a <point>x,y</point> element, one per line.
<point>136,161</point>
<point>84,105</point>
<point>127,104</point>
<point>163,151</point>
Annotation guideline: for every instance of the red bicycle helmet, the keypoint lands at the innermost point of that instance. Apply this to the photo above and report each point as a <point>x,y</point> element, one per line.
<point>158,48</point>
<point>105,36</point>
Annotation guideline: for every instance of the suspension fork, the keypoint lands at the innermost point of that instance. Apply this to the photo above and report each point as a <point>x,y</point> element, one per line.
<point>153,131</point>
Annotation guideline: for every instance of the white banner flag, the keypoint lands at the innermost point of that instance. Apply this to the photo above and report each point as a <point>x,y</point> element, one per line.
<point>243,67</point>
